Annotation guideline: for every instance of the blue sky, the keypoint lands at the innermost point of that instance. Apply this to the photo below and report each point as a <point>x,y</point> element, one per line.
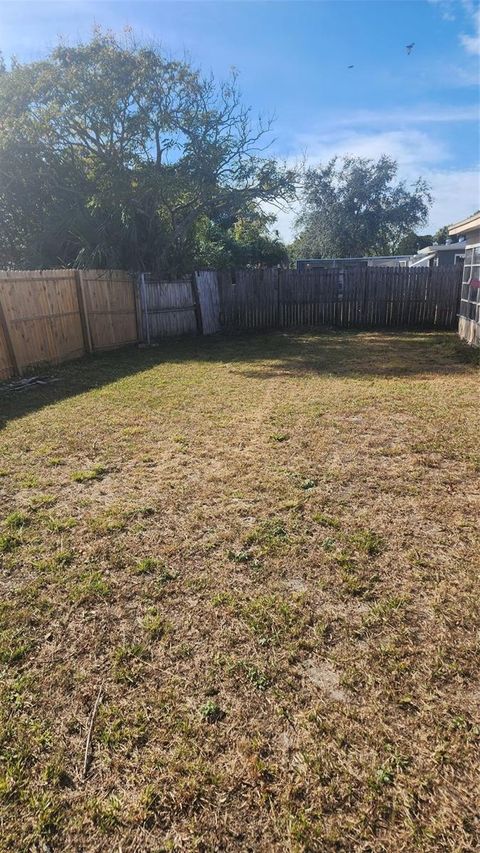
<point>292,57</point>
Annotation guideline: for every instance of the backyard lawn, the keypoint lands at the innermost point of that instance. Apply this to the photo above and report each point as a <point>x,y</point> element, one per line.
<point>258,557</point>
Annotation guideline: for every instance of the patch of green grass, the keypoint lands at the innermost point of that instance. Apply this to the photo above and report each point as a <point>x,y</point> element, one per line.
<point>128,662</point>
<point>308,484</point>
<point>327,520</point>
<point>382,612</point>
<point>275,619</point>
<point>59,560</point>
<point>111,521</point>
<point>42,501</point>
<point>244,556</point>
<point>164,575</point>
<point>269,536</point>
<point>211,712</point>
<point>154,566</point>
<point>55,461</point>
<point>120,728</point>
<point>155,624</point>
<point>222,599</point>
<point>181,440</point>
<point>145,566</point>
<point>106,812</point>
<point>13,646</point>
<point>58,525</point>
<point>256,676</point>
<point>279,436</point>
<point>91,586</point>
<point>369,542</point>
<point>47,815</point>
<point>30,481</point>
<point>16,520</point>
<point>9,541</point>
<point>95,473</point>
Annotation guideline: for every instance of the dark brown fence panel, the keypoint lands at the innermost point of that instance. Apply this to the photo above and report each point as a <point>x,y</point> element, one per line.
<point>354,297</point>
<point>249,299</point>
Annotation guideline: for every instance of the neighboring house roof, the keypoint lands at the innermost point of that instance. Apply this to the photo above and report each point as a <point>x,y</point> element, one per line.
<point>362,258</point>
<point>447,247</point>
<point>424,261</point>
<point>471,223</point>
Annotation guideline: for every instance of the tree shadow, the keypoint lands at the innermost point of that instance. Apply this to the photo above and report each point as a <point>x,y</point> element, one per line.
<point>257,355</point>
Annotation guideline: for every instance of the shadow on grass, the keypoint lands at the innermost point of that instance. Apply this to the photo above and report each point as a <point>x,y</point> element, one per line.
<point>355,354</point>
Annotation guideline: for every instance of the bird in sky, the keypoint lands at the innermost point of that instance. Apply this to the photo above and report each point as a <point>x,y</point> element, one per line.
<point>409,47</point>
<point>350,66</point>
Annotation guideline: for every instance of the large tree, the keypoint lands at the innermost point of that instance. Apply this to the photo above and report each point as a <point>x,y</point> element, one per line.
<point>111,153</point>
<point>354,206</point>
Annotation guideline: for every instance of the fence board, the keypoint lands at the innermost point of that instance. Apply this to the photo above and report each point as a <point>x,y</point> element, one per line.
<point>209,301</point>
<point>8,366</point>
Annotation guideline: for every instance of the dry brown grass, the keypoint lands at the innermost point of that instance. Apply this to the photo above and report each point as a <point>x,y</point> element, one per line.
<point>266,550</point>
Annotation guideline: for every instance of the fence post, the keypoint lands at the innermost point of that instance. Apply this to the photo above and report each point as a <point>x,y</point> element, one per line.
<point>279,317</point>
<point>196,300</point>
<point>143,301</point>
<point>8,342</point>
<point>82,307</point>
<point>138,306</point>
<point>365,297</point>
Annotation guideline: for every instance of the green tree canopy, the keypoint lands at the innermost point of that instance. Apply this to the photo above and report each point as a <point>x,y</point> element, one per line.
<point>111,154</point>
<point>247,242</point>
<point>411,243</point>
<point>354,206</point>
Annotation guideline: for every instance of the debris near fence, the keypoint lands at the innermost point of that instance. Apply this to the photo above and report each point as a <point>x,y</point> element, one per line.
<point>30,382</point>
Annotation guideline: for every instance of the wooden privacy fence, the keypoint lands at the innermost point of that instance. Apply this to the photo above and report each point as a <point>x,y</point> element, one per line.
<point>50,316</point>
<point>360,296</point>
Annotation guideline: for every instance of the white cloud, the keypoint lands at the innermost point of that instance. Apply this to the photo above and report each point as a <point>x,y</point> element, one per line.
<point>411,148</point>
<point>469,8</point>
<point>418,114</point>
<point>447,9</point>
<point>471,43</point>
<point>456,195</point>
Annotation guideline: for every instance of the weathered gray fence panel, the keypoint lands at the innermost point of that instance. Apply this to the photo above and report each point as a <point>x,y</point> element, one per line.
<point>169,308</point>
<point>209,301</point>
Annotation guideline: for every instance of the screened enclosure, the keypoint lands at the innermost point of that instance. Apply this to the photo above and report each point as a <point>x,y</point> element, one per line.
<point>469,315</point>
